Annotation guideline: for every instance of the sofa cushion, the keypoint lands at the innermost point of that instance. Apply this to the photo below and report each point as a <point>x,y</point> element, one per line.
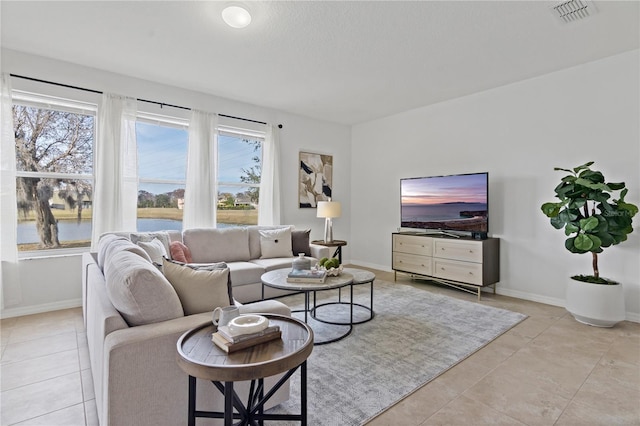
<point>103,243</point>
<point>243,273</point>
<point>116,245</point>
<point>180,252</point>
<point>155,250</point>
<point>146,237</point>
<point>199,290</point>
<point>139,291</point>
<point>275,243</point>
<point>300,242</point>
<point>275,263</point>
<point>217,245</point>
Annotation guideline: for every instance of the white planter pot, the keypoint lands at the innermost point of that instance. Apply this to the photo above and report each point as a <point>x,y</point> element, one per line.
<point>599,305</point>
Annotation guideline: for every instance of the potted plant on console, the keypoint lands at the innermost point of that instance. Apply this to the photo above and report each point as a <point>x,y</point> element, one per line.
<point>592,220</point>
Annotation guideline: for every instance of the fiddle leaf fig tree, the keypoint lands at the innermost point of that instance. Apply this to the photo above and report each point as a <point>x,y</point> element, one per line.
<point>592,219</point>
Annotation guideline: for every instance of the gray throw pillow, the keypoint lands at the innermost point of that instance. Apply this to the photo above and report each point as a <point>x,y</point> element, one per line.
<point>139,291</point>
<point>300,242</point>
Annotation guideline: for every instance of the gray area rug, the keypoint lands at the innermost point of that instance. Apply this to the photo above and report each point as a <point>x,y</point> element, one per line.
<point>415,336</point>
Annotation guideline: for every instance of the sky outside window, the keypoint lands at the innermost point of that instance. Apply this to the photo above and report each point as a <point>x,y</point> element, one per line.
<point>162,154</point>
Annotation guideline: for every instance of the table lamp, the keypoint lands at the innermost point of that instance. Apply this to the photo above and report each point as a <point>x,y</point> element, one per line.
<point>328,209</point>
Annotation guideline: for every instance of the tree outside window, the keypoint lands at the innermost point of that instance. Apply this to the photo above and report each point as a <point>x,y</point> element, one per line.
<point>239,168</point>
<point>54,163</point>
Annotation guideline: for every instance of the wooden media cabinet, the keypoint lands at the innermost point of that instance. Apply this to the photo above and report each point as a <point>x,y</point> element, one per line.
<point>464,263</point>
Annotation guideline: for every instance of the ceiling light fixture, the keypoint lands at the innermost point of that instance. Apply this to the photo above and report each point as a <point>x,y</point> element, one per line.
<point>236,16</point>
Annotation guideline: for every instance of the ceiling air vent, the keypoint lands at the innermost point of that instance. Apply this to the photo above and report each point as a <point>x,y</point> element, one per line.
<point>573,10</point>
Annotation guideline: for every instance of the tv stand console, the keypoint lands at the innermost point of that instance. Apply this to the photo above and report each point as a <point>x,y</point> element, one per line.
<point>463,263</point>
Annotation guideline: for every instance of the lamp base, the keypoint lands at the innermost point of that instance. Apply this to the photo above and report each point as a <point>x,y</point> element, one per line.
<point>328,230</point>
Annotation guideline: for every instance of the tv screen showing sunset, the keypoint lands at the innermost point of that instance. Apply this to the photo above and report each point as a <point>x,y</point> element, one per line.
<point>457,202</point>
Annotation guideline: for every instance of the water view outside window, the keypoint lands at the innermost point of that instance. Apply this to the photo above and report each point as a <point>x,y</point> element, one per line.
<point>162,171</point>
<point>54,164</point>
<point>239,168</point>
<point>54,153</point>
<point>162,166</point>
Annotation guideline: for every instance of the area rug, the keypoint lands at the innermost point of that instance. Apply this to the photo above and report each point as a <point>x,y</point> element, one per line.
<point>415,336</point>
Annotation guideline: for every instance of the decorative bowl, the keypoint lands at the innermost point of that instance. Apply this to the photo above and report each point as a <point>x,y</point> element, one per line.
<point>247,324</point>
<point>333,272</point>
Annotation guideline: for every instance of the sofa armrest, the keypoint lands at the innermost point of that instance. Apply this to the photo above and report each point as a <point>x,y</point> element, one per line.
<point>145,385</point>
<point>319,251</point>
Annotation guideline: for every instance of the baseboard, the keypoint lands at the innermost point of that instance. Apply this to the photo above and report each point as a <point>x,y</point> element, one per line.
<point>528,296</point>
<point>384,268</point>
<point>630,316</point>
<point>38,309</point>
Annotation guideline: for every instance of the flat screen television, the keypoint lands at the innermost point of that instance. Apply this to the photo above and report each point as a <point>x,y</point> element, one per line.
<point>446,203</point>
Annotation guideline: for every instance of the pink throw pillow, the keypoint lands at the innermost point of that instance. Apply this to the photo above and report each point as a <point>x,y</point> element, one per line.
<point>180,252</point>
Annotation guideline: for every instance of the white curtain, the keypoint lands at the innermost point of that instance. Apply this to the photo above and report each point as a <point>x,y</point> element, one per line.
<point>269,208</point>
<point>201,192</point>
<point>9,277</point>
<point>116,183</point>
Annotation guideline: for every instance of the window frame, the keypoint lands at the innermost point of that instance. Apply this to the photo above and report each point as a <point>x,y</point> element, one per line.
<point>166,121</point>
<point>41,101</point>
<point>239,132</point>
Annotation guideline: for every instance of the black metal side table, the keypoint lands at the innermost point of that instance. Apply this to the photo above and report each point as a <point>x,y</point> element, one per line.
<point>335,243</point>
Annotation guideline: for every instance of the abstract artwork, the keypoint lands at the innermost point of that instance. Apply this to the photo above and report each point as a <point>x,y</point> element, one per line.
<point>315,179</point>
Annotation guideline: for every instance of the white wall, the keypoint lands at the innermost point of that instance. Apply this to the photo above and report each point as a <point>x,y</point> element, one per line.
<point>54,283</point>
<point>518,133</point>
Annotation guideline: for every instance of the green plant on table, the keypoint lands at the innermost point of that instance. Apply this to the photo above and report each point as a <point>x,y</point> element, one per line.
<point>592,219</point>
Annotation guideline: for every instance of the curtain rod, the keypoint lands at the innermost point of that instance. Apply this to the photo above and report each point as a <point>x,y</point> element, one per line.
<point>162,104</point>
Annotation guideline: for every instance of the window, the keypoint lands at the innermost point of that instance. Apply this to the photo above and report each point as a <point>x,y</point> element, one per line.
<point>54,169</point>
<point>162,171</point>
<point>239,168</point>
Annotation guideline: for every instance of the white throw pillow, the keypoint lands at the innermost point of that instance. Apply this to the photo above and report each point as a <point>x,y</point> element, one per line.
<point>275,243</point>
<point>146,237</point>
<point>155,249</point>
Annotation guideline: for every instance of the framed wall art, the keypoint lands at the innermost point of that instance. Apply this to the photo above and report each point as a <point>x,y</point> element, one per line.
<point>315,179</point>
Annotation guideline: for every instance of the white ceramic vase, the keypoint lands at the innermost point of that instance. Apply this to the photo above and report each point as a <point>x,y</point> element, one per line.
<point>599,305</point>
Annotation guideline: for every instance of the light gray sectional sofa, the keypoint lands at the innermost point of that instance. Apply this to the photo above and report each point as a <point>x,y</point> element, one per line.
<point>134,315</point>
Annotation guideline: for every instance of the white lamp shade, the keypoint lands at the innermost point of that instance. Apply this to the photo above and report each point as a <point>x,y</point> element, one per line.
<point>236,16</point>
<point>329,209</point>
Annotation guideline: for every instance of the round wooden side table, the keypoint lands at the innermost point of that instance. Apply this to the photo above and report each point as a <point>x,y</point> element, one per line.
<point>200,358</point>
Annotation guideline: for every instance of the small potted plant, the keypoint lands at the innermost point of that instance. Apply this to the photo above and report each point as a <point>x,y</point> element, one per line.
<point>592,220</point>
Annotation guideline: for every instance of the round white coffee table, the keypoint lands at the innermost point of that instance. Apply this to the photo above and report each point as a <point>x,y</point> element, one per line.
<point>278,279</point>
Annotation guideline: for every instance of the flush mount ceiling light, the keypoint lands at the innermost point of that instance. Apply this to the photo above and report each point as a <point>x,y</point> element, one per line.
<point>236,16</point>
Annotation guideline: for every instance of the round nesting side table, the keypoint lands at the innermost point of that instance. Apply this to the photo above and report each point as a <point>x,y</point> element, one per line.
<point>360,276</point>
<point>200,358</point>
<point>278,279</point>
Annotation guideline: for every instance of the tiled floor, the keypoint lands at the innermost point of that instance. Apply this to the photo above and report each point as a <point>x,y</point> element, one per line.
<point>548,370</point>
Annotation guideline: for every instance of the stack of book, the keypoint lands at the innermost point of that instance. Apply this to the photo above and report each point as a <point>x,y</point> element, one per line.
<point>306,276</point>
<point>229,343</point>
